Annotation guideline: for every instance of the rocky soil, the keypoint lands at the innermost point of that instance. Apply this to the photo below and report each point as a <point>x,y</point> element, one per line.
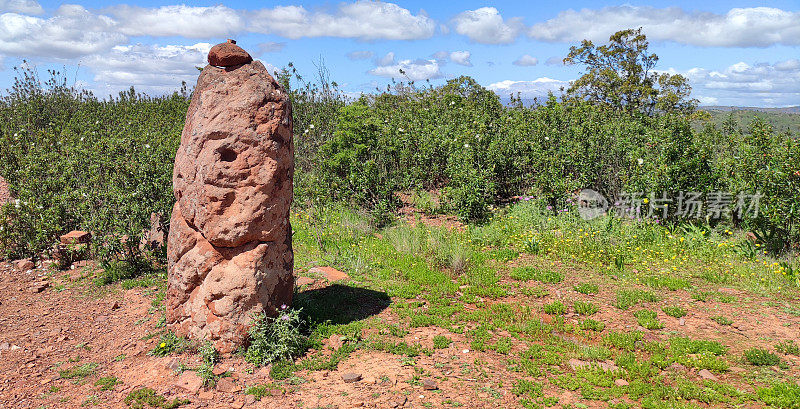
<point>52,322</point>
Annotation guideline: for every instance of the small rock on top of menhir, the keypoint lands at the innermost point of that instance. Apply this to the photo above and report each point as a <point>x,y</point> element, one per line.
<point>228,55</point>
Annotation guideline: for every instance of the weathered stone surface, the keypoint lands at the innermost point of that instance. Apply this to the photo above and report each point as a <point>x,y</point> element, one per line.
<point>301,281</point>
<point>706,374</point>
<point>351,377</point>
<point>330,273</point>
<point>229,245</point>
<point>228,55</point>
<point>38,286</point>
<point>190,382</point>
<point>24,264</point>
<point>227,385</point>
<point>76,237</point>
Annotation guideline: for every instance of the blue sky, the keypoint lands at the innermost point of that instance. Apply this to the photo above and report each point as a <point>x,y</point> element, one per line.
<point>732,52</point>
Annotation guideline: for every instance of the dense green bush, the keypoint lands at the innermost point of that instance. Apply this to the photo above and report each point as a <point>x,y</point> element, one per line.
<point>76,161</point>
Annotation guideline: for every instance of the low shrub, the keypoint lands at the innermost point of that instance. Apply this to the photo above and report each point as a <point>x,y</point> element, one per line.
<point>276,339</point>
<point>761,357</point>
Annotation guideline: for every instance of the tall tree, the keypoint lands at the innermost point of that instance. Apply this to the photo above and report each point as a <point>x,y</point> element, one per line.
<point>621,75</point>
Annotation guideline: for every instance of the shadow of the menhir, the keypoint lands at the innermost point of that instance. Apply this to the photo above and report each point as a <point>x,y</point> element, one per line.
<point>340,304</point>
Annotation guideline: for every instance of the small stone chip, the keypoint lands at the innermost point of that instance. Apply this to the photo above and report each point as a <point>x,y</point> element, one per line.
<point>351,377</point>
<point>429,385</point>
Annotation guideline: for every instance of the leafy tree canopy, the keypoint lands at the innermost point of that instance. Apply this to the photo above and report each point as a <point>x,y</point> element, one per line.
<point>621,75</point>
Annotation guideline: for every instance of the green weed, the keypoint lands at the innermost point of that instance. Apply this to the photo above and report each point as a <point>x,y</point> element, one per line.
<point>587,288</point>
<point>674,311</point>
<point>761,357</point>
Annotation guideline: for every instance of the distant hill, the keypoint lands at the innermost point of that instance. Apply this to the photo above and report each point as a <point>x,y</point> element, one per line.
<point>782,119</point>
<point>784,110</point>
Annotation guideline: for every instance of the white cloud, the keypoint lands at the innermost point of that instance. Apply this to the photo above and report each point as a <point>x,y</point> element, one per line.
<point>761,84</point>
<point>149,68</point>
<point>485,25</point>
<point>21,6</point>
<point>71,32</point>
<point>387,59</point>
<point>270,68</point>
<point>360,55</point>
<point>788,65</point>
<point>456,57</point>
<point>554,61</point>
<point>363,20</point>
<point>418,70</point>
<point>537,88</point>
<point>461,58</point>
<point>526,61</point>
<point>739,27</point>
<point>708,101</point>
<point>271,47</point>
<point>179,20</point>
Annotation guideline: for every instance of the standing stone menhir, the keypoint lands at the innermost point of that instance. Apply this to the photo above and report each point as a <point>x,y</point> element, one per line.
<point>230,246</point>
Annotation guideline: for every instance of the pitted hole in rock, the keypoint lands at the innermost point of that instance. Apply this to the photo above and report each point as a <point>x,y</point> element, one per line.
<point>227,155</point>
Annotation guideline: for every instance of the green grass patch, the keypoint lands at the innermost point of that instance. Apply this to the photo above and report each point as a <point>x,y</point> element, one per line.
<point>686,346</point>
<point>761,357</point>
<point>783,395</point>
<point>628,298</point>
<point>169,343</point>
<point>441,342</point>
<point>648,319</point>
<point>524,387</point>
<point>78,372</point>
<point>667,282</point>
<point>788,347</point>
<point>721,320</point>
<point>625,341</point>
<point>532,273</point>
<point>262,390</point>
<point>586,288</point>
<point>592,325</point>
<point>585,308</point>
<point>555,308</point>
<point>595,353</point>
<point>107,383</point>
<point>146,397</point>
<point>674,311</point>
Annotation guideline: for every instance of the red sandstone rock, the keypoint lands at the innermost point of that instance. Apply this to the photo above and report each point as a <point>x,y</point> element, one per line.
<point>24,264</point>
<point>330,273</point>
<point>228,55</point>
<point>76,237</point>
<point>190,382</point>
<point>301,281</point>
<point>229,246</point>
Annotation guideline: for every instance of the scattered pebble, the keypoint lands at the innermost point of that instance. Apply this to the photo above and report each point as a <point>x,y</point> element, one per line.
<point>351,377</point>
